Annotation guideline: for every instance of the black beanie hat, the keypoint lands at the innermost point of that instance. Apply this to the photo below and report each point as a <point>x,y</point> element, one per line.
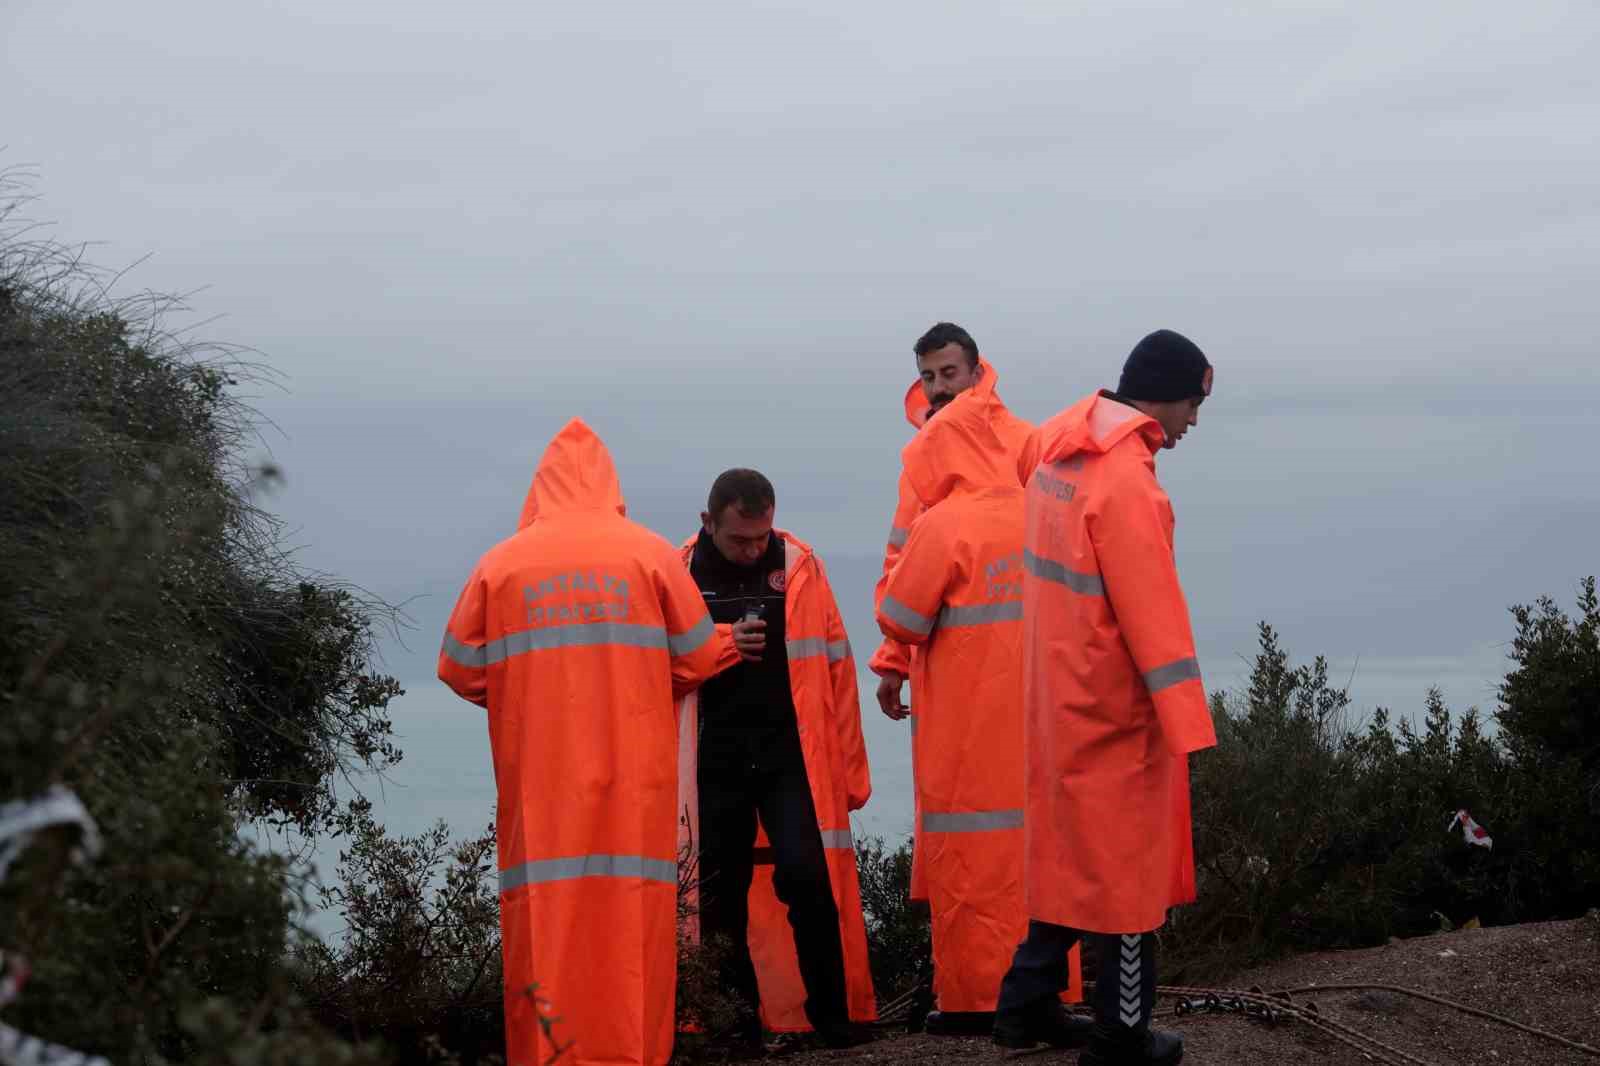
<point>1163,367</point>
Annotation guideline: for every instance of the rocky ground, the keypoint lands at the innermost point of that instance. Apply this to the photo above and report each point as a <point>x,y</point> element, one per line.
<point>1545,975</point>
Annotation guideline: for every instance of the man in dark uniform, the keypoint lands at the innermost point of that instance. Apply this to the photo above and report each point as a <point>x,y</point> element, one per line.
<point>751,763</point>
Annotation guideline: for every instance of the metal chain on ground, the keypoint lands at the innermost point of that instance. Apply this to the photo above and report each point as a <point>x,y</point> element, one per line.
<point>1307,1015</point>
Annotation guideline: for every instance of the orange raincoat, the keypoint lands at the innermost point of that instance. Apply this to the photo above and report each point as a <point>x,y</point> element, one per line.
<point>822,681</point>
<point>956,592</point>
<point>578,634</point>
<point>1111,684</point>
<point>892,655</point>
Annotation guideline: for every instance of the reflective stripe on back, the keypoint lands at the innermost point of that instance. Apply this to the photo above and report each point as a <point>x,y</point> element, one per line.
<point>972,821</point>
<point>1050,570</point>
<point>1172,674</point>
<point>545,871</point>
<point>917,623</point>
<point>982,614</point>
<point>574,636</point>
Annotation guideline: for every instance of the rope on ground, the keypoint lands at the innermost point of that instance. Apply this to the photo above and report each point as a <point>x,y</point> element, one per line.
<point>1587,1049</point>
<point>1267,1006</point>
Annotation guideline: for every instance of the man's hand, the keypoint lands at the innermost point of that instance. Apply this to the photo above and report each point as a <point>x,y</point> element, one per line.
<point>750,638</point>
<point>889,696</point>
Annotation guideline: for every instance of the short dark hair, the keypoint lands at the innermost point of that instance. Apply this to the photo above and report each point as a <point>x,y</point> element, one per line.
<point>749,489</point>
<point>946,333</point>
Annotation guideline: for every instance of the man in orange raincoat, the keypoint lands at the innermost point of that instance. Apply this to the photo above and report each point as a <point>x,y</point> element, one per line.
<point>1113,699</point>
<point>948,364</point>
<point>776,742</point>
<point>956,594</point>
<point>578,634</point>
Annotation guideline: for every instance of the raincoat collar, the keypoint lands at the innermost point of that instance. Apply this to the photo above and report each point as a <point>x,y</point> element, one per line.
<point>959,451</point>
<point>1095,425</point>
<point>917,404</point>
<point>796,551</point>
<point>575,474</point>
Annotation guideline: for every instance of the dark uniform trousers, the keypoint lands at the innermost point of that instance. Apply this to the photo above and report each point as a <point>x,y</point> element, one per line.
<point>1125,978</point>
<point>734,791</point>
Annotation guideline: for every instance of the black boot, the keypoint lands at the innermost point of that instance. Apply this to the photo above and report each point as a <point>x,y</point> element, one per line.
<point>1124,1002</point>
<point>1118,1045</point>
<point>1044,1022</point>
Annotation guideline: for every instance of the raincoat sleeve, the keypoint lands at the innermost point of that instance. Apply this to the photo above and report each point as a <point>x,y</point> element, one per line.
<point>893,656</point>
<point>1028,458</point>
<point>1131,532</point>
<point>914,590</point>
<point>846,702</point>
<point>699,648</point>
<point>463,663</point>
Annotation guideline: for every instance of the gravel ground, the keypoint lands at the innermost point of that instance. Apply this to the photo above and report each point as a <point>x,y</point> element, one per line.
<point>1545,975</point>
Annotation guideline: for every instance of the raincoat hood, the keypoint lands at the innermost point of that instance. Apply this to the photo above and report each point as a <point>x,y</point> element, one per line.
<point>575,474</point>
<point>917,403</point>
<point>959,451</point>
<point>1095,425</point>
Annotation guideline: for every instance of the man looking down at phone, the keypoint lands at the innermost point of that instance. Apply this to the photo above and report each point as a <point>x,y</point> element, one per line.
<point>776,741</point>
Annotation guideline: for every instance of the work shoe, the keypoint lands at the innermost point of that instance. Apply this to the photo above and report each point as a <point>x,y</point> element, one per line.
<point>1045,1022</point>
<point>1121,1046</point>
<point>959,1022</point>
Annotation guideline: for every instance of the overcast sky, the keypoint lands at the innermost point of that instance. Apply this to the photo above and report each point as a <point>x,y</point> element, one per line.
<point>715,231</point>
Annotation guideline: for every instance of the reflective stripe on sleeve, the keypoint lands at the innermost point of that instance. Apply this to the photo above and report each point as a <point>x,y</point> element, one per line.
<point>804,647</point>
<point>1172,674</point>
<point>693,638</point>
<point>587,634</point>
<point>916,623</point>
<point>971,821</point>
<point>462,654</point>
<point>898,537</point>
<point>1050,570</point>
<point>982,614</point>
<point>837,838</point>
<point>545,871</point>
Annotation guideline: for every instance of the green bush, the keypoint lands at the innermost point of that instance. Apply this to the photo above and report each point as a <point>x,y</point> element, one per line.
<point>1549,719</point>
<point>417,962</point>
<point>1311,832</point>
<point>899,936</point>
<point>162,656</point>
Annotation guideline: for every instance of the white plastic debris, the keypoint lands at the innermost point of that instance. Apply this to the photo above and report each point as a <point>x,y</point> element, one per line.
<point>19,821</point>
